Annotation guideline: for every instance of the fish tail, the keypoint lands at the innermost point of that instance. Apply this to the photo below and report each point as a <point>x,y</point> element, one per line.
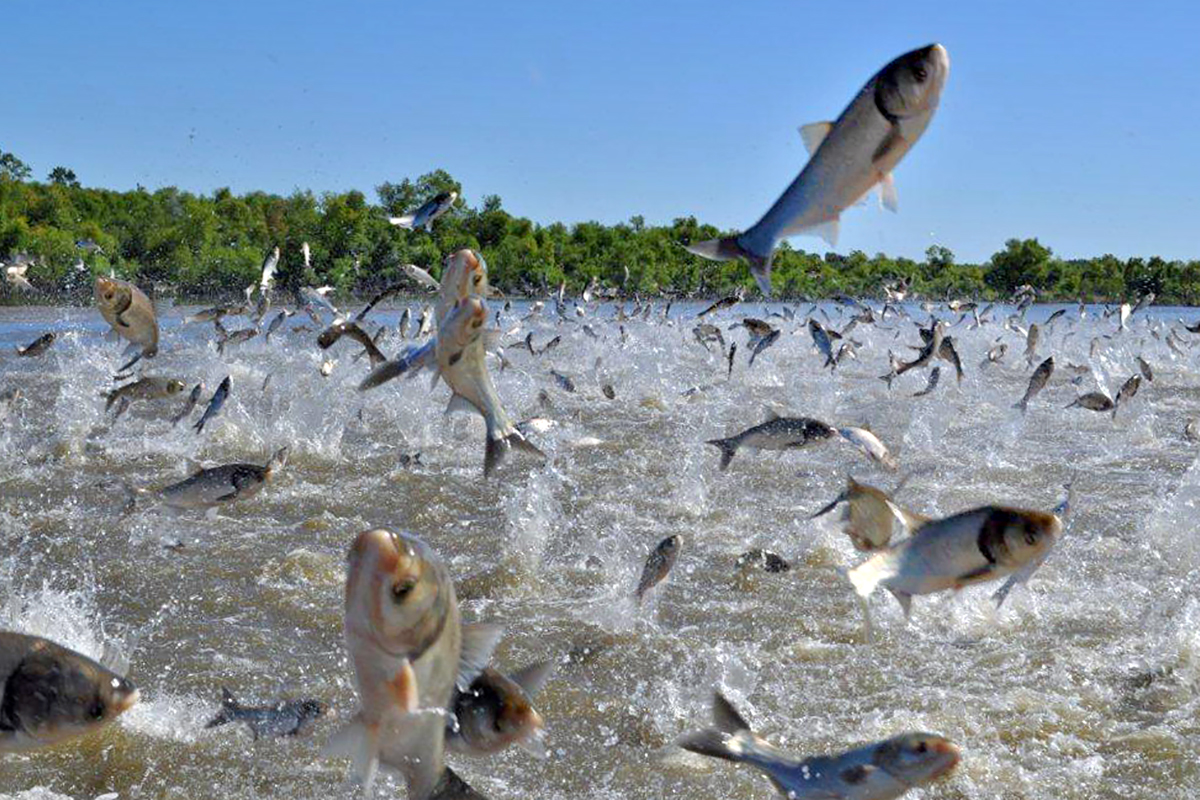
<point>1023,404</point>
<point>891,376</point>
<point>229,708</point>
<point>728,448</point>
<point>360,742</point>
<point>712,743</point>
<point>498,446</point>
<point>405,222</point>
<point>731,247</point>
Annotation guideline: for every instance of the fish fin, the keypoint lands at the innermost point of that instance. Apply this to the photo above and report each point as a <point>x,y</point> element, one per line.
<point>405,221</point>
<point>403,688</point>
<point>729,248</point>
<point>479,639</point>
<point>887,193</point>
<point>460,403</point>
<point>534,745</point>
<point>709,742</point>
<point>451,787</point>
<point>976,575</point>
<point>890,142</point>
<point>360,742</point>
<point>841,498</point>
<point>728,448</point>
<point>813,134</point>
<point>225,498</point>
<point>114,659</point>
<point>827,230</point>
<point>725,717</point>
<point>533,677</point>
<point>869,574</point>
<point>904,599</point>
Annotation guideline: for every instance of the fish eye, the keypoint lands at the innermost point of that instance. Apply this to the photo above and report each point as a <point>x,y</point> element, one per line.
<point>922,748</point>
<point>401,589</point>
<point>96,710</point>
<point>920,73</point>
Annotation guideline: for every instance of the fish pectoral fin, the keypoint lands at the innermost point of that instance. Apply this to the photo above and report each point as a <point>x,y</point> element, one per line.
<point>975,576</point>
<point>360,742</point>
<point>533,677</point>
<point>460,403</point>
<point>479,639</point>
<point>887,193</point>
<point>403,688</point>
<point>813,134</point>
<point>904,599</point>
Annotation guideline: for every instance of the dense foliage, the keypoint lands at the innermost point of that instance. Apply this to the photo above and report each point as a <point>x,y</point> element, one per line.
<point>207,245</point>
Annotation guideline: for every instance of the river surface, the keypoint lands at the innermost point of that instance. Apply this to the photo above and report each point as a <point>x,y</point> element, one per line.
<point>1085,684</point>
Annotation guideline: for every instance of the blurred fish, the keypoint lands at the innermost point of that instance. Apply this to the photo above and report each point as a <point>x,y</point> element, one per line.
<point>148,388</point>
<point>1093,401</point>
<point>1031,343</point>
<point>706,333</point>
<point>409,649</point>
<point>1037,382</point>
<point>881,771</point>
<point>37,346</point>
<point>849,157</point>
<point>934,375</point>
<point>130,313</point>
<point>658,565</point>
<point>608,391</point>
<point>564,383</point>
<point>51,694</point>
<point>870,444</point>
<point>214,404</point>
<point>995,354</point>
<point>285,718</point>
<point>933,344</point>
<point>732,353</point>
<point>1191,430</point>
<point>326,368</point>
<point>948,353</point>
<point>777,433</point>
<point>960,550</point>
<point>496,711</point>
<point>1127,392</point>
<point>763,344</point>
<point>189,405</point>
<point>405,321</point>
<point>8,399</point>
<point>425,323</point>
<point>270,264</point>
<point>724,302</point>
<point>209,488</point>
<point>426,213</point>
<point>421,276</point>
<point>352,330</point>
<point>871,516</point>
<point>764,560</point>
<point>226,338</point>
<point>275,323</point>
<point>1147,372</point>
<point>820,338</point>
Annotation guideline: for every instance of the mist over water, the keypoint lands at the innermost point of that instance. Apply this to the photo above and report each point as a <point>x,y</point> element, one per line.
<point>1086,684</point>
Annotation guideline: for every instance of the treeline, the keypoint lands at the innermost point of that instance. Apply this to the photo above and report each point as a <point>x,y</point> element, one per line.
<point>199,246</point>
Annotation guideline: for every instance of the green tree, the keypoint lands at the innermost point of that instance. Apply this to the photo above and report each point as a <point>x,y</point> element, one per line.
<point>63,177</point>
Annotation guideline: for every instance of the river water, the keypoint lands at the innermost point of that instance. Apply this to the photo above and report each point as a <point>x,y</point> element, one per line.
<point>1086,684</point>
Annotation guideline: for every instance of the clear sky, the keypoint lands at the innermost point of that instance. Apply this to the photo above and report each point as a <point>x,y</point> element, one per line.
<point>1078,123</point>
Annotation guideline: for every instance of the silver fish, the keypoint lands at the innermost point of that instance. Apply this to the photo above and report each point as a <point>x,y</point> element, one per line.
<point>849,158</point>
<point>129,312</point>
<point>934,375</point>
<point>1144,366</point>
<point>1037,382</point>
<point>148,388</point>
<point>405,321</point>
<point>189,405</point>
<point>37,346</point>
<point>285,718</point>
<point>496,711</point>
<point>763,344</point>
<point>1126,393</point>
<point>777,433</point>
<point>871,445</point>
<point>426,213</point>
<point>871,516</point>
<point>214,404</point>
<point>564,382</point>
<point>948,353</point>
<point>1093,401</point>
<point>658,565</point>
<point>820,338</point>
<point>216,486</point>
<point>52,694</point>
<point>1031,343</point>
<point>880,771</point>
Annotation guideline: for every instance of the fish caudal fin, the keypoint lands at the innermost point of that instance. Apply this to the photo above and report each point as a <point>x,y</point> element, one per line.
<point>729,248</point>
<point>229,706</point>
<point>359,742</point>
<point>497,447</point>
<point>712,743</point>
<point>405,221</point>
<point>728,448</point>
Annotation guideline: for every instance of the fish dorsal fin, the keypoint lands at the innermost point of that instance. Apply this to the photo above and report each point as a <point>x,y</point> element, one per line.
<point>725,717</point>
<point>479,639</point>
<point>813,134</point>
<point>887,193</point>
<point>770,414</point>
<point>533,677</point>
<point>114,659</point>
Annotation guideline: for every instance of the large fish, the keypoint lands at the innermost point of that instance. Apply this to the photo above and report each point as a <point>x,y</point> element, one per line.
<point>961,550</point>
<point>285,718</point>
<point>849,157</point>
<point>409,648</point>
<point>880,771</point>
<point>216,486</point>
<point>777,433</point>
<point>51,694</point>
<point>129,312</point>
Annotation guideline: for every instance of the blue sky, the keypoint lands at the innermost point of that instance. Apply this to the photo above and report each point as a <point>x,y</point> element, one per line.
<point>1077,123</point>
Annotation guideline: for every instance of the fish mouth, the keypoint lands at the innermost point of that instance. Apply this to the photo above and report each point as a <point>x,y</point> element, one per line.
<point>950,756</point>
<point>127,702</point>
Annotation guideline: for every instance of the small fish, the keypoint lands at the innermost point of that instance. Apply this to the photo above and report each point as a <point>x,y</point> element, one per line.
<point>353,331</point>
<point>225,338</point>
<point>705,333</point>
<point>564,383</point>
<point>189,405</point>
<point>763,344</point>
<point>496,711</point>
<point>1127,392</point>
<point>947,352</point>
<point>934,375</point>
<point>1191,430</point>
<point>894,365</point>
<point>1031,343</point>
<point>1037,382</point>
<point>871,516</point>
<point>995,354</point>
<point>1093,401</point>
<point>1050,320</point>
<point>777,433</point>
<point>405,321</point>
<point>285,718</point>
<point>426,213</point>
<point>933,344</point>
<point>732,353</point>
<point>871,445</point>
<point>658,565</point>
<point>764,560</point>
<point>37,346</point>
<point>724,302</point>
<point>1147,372</point>
<point>270,264</point>
<point>849,157</point>
<point>326,368</point>
<point>214,404</point>
<point>278,321</point>
<point>960,550</point>
<point>425,323</point>
<point>608,391</point>
<point>550,345</point>
<point>148,388</point>
<point>1125,312</point>
<point>820,338</point>
<point>216,486</point>
<point>880,771</point>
